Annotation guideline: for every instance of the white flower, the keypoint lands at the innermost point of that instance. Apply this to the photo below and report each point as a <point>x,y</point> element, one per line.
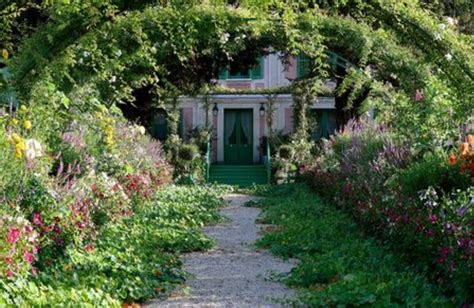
<point>225,37</point>
<point>33,149</point>
<point>442,27</point>
<point>437,37</point>
<point>86,54</point>
<point>450,21</point>
<point>113,79</point>
<point>153,49</point>
<point>141,130</point>
<point>119,53</point>
<point>81,60</point>
<point>448,56</point>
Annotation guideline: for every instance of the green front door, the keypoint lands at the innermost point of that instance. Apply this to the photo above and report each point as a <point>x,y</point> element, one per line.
<point>238,136</point>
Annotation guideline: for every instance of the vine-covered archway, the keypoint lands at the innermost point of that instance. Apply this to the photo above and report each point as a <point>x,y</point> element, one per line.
<point>107,50</point>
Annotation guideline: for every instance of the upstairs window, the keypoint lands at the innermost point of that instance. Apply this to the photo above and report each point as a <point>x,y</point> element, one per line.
<point>233,72</point>
<point>302,66</point>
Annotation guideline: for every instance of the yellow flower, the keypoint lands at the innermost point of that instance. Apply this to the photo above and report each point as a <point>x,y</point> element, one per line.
<point>23,108</point>
<point>16,138</point>
<point>14,122</point>
<point>5,54</point>
<point>27,124</point>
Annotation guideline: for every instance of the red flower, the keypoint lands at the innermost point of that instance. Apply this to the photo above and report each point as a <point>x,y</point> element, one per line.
<point>13,235</point>
<point>452,160</point>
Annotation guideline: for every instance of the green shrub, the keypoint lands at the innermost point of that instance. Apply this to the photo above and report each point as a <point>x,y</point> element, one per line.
<point>431,171</point>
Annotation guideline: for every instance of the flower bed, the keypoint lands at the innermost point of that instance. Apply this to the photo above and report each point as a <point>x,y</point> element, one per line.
<point>419,204</point>
<point>338,265</point>
<point>71,184</point>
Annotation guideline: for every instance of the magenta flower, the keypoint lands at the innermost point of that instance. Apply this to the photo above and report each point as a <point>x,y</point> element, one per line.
<point>433,218</point>
<point>9,273</point>
<point>13,235</point>
<point>34,271</point>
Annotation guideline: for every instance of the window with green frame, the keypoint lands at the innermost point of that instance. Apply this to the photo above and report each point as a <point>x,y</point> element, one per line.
<point>255,72</point>
<point>302,66</point>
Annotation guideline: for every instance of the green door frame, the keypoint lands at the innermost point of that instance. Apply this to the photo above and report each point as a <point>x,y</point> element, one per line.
<point>237,152</point>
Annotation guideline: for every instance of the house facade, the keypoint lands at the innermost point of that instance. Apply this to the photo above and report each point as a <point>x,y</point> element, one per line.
<point>239,120</point>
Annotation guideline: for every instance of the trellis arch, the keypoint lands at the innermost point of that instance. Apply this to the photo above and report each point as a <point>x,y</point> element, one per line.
<point>176,47</point>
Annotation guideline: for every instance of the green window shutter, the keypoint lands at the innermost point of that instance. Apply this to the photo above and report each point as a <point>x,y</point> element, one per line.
<point>302,66</point>
<point>223,73</point>
<point>257,71</point>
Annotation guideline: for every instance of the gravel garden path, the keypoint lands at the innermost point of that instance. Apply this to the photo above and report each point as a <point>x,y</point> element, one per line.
<point>235,273</point>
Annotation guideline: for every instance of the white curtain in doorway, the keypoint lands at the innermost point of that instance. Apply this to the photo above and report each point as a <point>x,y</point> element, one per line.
<point>246,123</point>
<point>229,120</point>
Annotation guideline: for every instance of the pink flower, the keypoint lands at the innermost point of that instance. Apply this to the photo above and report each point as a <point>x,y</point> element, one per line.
<point>34,271</point>
<point>433,218</point>
<point>37,219</point>
<point>28,257</point>
<point>13,235</point>
<point>419,95</point>
<point>9,273</point>
<point>90,248</point>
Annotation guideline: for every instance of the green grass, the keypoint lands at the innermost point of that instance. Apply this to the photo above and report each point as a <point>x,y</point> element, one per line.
<point>338,265</point>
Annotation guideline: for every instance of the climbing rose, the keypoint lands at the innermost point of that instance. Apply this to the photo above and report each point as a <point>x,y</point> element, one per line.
<point>13,235</point>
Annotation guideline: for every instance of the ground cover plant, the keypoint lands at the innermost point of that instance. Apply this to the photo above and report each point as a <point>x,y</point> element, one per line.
<point>338,265</point>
